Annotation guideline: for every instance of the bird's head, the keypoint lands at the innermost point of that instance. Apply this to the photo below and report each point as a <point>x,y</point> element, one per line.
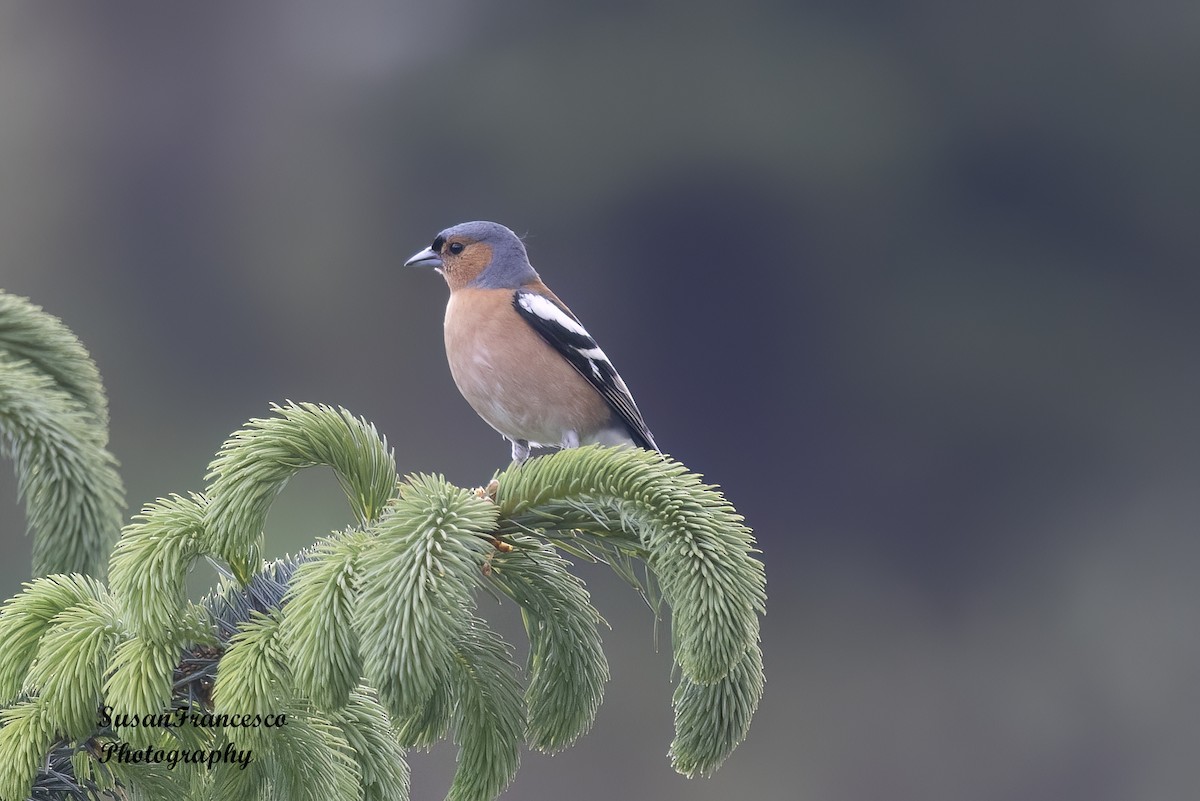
<point>478,254</point>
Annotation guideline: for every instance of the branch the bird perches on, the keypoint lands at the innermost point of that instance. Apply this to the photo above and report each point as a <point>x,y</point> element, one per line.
<point>368,641</point>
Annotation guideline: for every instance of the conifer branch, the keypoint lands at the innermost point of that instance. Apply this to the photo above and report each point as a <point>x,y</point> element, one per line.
<point>54,426</point>
<point>489,718</point>
<point>567,668</point>
<point>309,759</point>
<point>149,566</point>
<point>141,677</point>
<point>711,719</point>
<point>417,583</point>
<point>27,732</point>
<point>389,602</point>
<point>256,462</point>
<point>25,618</point>
<point>431,723</point>
<point>29,333</point>
<point>318,622</point>
<point>698,549</point>
<point>253,678</point>
<point>375,744</point>
<point>73,495</point>
<point>68,673</point>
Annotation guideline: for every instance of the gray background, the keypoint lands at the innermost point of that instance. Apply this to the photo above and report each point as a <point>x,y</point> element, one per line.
<point>914,282</point>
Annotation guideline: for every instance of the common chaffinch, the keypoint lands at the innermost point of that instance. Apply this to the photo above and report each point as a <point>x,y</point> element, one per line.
<point>518,355</point>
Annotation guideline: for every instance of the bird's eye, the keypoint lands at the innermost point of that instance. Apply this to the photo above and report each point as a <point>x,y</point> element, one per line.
<point>456,248</point>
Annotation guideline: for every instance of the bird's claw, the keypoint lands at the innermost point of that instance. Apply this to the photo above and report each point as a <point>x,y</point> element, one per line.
<point>489,492</point>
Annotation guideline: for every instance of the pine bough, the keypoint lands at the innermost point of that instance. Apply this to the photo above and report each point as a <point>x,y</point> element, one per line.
<point>368,642</point>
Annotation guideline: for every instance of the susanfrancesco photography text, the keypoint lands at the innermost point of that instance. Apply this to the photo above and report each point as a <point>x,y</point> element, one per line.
<point>178,717</point>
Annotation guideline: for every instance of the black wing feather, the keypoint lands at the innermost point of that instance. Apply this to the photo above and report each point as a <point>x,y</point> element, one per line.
<point>599,372</point>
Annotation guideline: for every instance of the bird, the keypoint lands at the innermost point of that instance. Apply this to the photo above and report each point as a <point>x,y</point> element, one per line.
<point>518,355</point>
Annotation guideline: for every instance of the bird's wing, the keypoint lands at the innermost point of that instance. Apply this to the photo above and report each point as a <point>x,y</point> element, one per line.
<point>555,323</point>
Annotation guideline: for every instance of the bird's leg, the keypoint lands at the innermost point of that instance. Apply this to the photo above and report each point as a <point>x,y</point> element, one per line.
<point>520,450</point>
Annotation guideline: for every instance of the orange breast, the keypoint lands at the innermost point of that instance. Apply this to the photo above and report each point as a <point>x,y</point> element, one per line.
<point>515,381</point>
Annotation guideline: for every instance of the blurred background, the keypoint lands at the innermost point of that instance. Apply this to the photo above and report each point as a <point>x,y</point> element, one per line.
<point>915,282</point>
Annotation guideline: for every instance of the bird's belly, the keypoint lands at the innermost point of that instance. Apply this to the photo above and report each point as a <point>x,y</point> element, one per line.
<point>492,375</point>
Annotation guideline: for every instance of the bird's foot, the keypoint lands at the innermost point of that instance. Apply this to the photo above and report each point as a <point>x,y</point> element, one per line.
<point>488,493</point>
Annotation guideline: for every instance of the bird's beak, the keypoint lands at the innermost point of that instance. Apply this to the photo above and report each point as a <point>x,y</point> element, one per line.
<point>426,258</point>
